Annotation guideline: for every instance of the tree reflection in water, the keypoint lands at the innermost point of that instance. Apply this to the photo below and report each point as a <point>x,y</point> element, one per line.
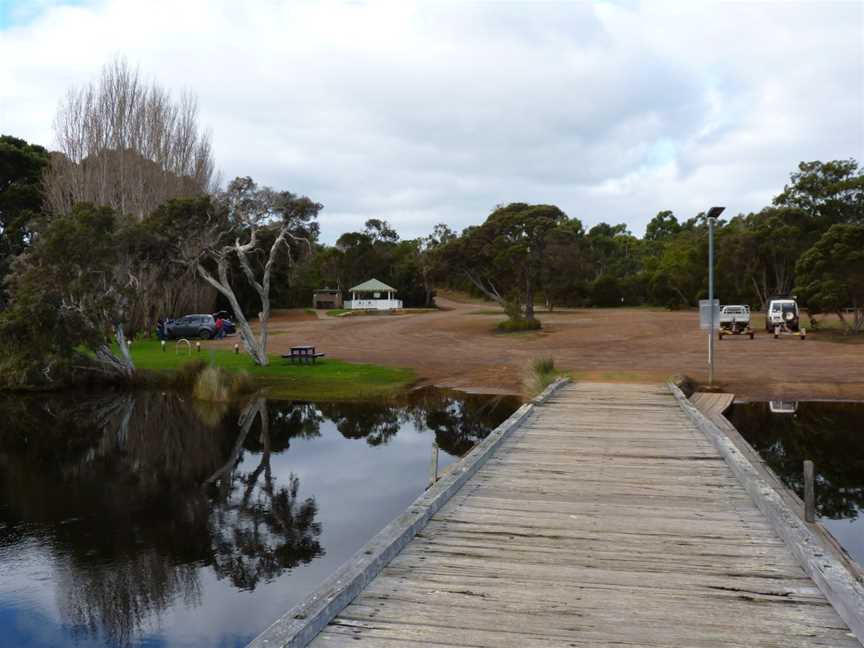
<point>458,422</point>
<point>829,434</point>
<point>373,421</point>
<point>137,493</point>
<point>259,530</point>
<point>153,492</point>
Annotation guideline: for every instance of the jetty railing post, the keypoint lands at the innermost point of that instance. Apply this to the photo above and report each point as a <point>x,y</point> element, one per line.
<point>809,492</point>
<point>433,466</point>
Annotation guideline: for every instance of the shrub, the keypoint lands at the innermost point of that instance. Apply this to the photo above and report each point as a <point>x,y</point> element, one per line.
<point>544,365</point>
<point>541,375</point>
<point>215,385</point>
<point>606,291</point>
<point>514,326</point>
<point>186,375</point>
<point>513,310</point>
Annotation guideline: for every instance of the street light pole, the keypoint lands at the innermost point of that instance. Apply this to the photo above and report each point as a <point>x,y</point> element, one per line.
<point>713,213</point>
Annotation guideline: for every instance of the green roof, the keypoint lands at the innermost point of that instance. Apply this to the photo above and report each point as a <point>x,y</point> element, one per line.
<point>373,285</point>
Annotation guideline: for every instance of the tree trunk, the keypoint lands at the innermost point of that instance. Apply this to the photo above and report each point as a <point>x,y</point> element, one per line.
<point>253,347</point>
<point>759,294</point>
<point>847,328</point>
<point>491,294</point>
<point>529,298</point>
<point>111,364</point>
<point>247,418</point>
<point>427,288</point>
<point>126,360</point>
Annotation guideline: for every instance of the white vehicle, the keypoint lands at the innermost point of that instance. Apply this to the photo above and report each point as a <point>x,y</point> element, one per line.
<point>783,316</point>
<point>735,320</point>
<point>783,407</point>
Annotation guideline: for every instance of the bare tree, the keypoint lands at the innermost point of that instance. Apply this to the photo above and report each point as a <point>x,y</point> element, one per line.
<point>255,219</point>
<point>128,145</point>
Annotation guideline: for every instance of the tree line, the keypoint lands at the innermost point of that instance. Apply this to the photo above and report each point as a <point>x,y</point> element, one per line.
<point>126,223</point>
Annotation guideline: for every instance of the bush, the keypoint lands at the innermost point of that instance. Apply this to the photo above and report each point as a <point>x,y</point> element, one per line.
<point>514,326</point>
<point>186,375</point>
<point>216,385</point>
<point>606,291</point>
<point>28,370</point>
<point>513,310</point>
<point>541,375</point>
<point>544,365</point>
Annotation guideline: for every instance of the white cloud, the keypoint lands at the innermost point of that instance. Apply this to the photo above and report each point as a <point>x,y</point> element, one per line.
<point>422,113</point>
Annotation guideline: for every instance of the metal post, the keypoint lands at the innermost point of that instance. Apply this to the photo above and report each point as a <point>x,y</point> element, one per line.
<point>711,300</point>
<point>433,466</point>
<point>809,492</point>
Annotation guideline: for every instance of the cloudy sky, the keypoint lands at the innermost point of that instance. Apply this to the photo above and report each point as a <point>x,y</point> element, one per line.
<point>429,112</point>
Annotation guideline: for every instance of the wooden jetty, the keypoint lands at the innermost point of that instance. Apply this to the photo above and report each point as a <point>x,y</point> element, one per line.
<point>712,405</point>
<point>607,518</point>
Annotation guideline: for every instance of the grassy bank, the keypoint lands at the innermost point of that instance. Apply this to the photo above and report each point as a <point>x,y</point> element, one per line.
<point>541,374</point>
<point>328,379</point>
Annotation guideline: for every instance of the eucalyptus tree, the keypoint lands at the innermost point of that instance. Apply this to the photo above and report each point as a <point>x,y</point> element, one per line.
<point>829,192</point>
<point>75,288</point>
<point>21,168</point>
<point>831,275</point>
<point>253,222</point>
<point>504,257</point>
<point>427,250</point>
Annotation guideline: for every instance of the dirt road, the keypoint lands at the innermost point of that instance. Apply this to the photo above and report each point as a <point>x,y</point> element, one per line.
<point>458,347</point>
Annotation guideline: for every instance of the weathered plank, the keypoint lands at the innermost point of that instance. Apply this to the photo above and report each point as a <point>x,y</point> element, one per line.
<point>607,519</point>
<point>712,404</point>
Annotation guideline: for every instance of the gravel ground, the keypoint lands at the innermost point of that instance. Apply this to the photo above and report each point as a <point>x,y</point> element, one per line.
<point>458,347</point>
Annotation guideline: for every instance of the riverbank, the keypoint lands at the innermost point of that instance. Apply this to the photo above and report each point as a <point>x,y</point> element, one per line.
<point>328,379</point>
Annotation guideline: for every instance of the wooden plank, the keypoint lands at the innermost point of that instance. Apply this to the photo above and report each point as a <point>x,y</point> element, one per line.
<point>712,404</point>
<point>607,519</point>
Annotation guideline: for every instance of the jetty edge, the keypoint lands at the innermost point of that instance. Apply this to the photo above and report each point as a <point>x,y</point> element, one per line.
<point>834,580</point>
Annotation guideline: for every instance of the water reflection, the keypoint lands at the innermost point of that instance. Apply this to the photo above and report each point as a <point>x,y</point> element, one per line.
<point>149,505</point>
<point>829,434</point>
<point>142,464</point>
<point>257,528</point>
<point>783,407</point>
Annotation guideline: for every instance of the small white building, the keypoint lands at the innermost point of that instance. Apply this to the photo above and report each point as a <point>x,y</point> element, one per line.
<point>373,295</point>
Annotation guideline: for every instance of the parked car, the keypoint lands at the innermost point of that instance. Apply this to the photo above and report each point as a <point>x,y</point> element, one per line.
<point>783,313</point>
<point>191,326</point>
<point>227,322</point>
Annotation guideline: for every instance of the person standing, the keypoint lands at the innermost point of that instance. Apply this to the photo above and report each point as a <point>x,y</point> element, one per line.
<point>220,328</point>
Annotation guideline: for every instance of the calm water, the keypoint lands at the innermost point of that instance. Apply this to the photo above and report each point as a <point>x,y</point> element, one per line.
<point>147,520</point>
<point>829,434</point>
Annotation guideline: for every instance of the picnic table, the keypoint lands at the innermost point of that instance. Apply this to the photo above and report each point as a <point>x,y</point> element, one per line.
<point>303,353</point>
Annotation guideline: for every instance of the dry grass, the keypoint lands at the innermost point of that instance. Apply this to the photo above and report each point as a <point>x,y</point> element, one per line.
<point>216,385</point>
<point>540,375</point>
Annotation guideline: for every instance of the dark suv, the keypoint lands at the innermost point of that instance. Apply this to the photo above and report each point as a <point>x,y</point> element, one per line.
<point>190,326</point>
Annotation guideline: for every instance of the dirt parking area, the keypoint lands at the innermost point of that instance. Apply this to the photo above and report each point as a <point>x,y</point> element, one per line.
<point>459,348</point>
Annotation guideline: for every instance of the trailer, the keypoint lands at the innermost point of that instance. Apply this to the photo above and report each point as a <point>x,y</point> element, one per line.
<point>735,320</point>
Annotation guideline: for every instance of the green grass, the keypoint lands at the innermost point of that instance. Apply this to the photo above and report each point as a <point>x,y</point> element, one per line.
<point>328,379</point>
<point>338,312</point>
